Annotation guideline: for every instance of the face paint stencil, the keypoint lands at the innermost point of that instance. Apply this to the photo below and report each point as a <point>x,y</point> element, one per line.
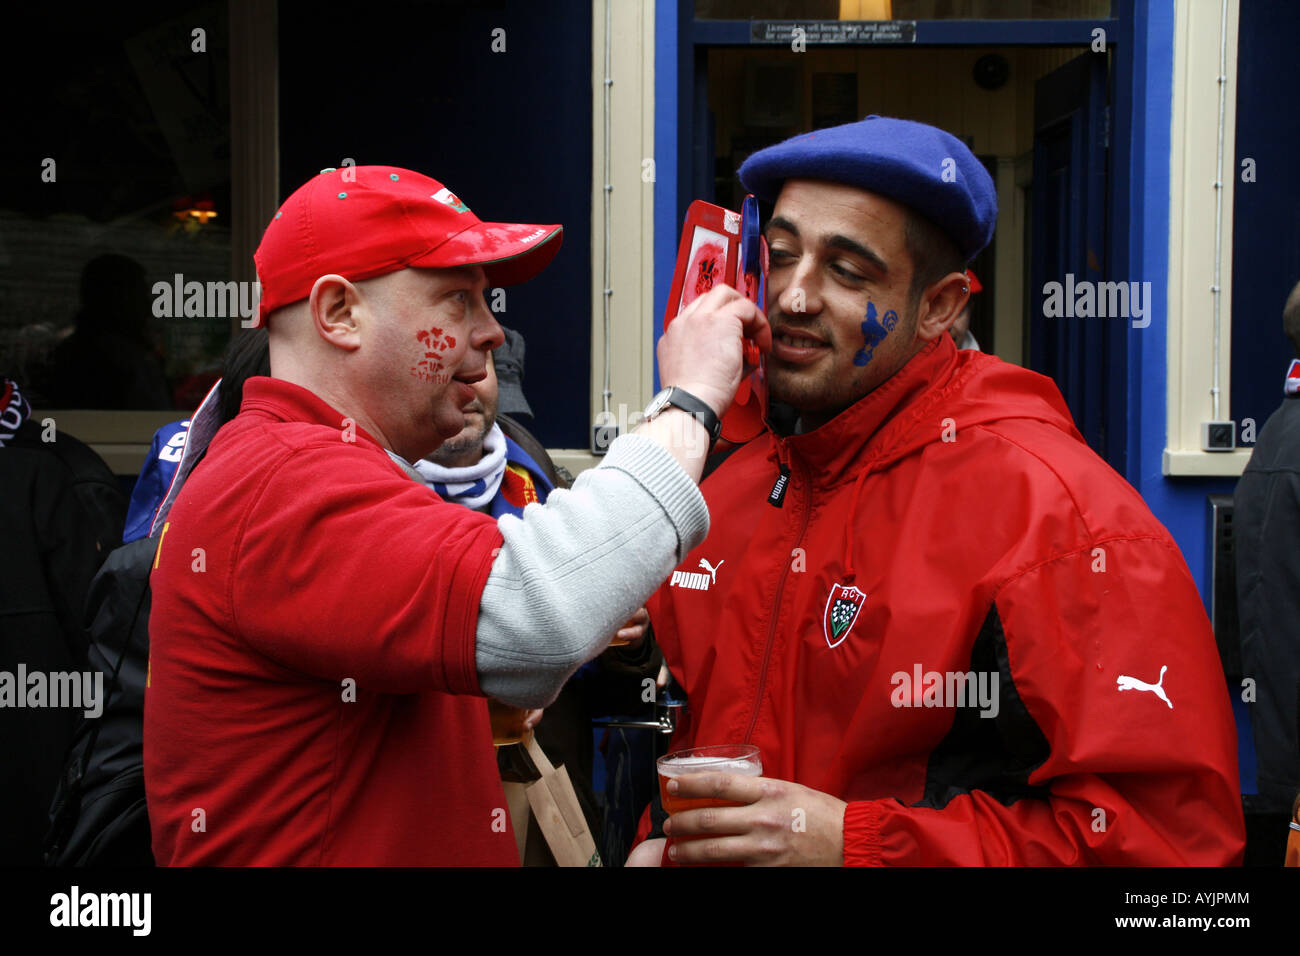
<point>429,366</point>
<point>873,333</point>
<point>706,270</point>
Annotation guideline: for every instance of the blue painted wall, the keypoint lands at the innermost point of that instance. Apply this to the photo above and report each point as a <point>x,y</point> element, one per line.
<point>1180,503</point>
<point>418,85</point>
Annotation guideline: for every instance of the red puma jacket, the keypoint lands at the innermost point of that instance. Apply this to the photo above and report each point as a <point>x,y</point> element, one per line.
<point>961,621</point>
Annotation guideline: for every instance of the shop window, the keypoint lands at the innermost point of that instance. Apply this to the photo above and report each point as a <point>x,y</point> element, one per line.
<point>118,181</point>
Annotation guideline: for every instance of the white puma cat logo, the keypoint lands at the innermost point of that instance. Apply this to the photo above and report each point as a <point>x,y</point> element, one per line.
<point>1124,682</point>
<point>694,579</point>
<point>713,572</point>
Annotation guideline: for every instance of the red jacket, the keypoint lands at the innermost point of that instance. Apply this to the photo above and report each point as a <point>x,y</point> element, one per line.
<point>989,541</point>
<point>311,662</point>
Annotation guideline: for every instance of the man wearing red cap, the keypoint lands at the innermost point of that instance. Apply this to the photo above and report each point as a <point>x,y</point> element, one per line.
<point>324,627</point>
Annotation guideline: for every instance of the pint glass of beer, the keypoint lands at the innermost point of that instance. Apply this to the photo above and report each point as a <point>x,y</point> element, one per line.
<point>726,758</point>
<point>507,723</point>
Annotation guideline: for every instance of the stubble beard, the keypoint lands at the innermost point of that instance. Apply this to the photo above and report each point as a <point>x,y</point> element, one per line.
<point>816,391</point>
<point>818,394</point>
<point>469,440</point>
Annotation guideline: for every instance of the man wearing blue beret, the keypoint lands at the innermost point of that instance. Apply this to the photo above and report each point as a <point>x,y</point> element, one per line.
<point>954,633</point>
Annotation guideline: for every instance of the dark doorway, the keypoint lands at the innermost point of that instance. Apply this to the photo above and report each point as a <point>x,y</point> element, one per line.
<point>1083,350</point>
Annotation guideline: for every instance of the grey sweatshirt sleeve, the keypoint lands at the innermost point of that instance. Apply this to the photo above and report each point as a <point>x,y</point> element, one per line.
<point>574,569</point>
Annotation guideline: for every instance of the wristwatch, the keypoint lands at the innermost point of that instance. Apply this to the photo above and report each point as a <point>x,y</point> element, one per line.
<point>680,398</point>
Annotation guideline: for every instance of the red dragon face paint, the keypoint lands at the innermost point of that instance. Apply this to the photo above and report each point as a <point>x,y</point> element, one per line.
<point>428,368</point>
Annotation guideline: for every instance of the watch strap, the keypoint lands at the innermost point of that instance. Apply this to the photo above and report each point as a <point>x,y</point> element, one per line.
<point>703,413</point>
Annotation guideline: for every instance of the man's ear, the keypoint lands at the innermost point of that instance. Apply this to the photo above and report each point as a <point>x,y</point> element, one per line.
<point>337,311</point>
<point>940,305</point>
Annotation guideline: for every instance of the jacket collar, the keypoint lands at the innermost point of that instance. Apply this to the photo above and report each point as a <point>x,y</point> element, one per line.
<point>879,425</point>
<point>287,402</point>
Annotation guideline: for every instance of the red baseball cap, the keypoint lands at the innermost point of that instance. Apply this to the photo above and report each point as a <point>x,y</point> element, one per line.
<point>365,221</point>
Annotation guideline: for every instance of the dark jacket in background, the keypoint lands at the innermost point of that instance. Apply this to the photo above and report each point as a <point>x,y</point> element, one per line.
<point>98,814</point>
<point>61,513</point>
<point>1266,520</point>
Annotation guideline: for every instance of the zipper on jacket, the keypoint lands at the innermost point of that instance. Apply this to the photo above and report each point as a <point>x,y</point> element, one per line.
<point>780,590</point>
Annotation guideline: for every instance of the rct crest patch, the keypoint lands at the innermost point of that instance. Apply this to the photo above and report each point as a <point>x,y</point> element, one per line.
<point>841,613</point>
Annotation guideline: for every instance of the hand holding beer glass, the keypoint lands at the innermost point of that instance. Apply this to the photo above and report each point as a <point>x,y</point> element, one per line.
<point>633,629</point>
<point>510,725</point>
<point>743,759</point>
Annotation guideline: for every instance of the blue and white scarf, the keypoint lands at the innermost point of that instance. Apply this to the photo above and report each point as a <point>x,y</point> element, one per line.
<point>473,486</point>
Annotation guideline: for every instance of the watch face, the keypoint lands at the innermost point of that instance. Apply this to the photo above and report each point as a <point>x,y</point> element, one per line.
<point>657,403</point>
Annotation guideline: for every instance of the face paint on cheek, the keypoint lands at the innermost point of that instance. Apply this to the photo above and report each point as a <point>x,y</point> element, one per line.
<point>428,366</point>
<point>427,371</point>
<point>873,333</point>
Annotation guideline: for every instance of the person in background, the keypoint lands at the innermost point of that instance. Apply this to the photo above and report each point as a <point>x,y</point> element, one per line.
<point>246,355</point>
<point>1266,522</point>
<point>485,466</point>
<point>109,360</point>
<point>509,363</point>
<point>1293,839</point>
<point>61,512</point>
<point>98,816</point>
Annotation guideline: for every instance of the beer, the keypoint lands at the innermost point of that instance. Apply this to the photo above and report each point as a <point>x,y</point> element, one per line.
<point>727,758</point>
<point>507,723</point>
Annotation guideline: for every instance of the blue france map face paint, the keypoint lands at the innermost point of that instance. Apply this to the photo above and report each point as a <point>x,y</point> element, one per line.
<point>873,333</point>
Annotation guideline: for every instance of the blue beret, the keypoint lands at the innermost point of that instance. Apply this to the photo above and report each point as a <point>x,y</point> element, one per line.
<point>917,165</point>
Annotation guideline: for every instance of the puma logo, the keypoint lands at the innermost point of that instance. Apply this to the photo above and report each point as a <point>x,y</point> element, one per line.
<point>694,579</point>
<point>1124,682</point>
